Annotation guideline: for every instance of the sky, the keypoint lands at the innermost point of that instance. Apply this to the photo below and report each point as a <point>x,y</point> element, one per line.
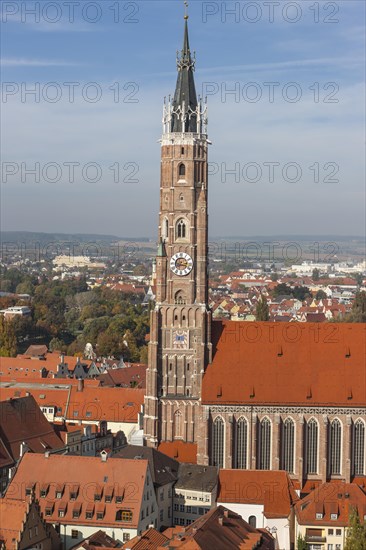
<point>285,88</point>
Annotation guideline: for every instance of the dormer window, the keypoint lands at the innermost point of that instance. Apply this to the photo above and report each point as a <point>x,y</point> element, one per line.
<point>334,516</point>
<point>319,515</point>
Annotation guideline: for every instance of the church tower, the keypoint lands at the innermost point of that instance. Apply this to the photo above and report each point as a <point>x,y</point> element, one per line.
<point>180,334</point>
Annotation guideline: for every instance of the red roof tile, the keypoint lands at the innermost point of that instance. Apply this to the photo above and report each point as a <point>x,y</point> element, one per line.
<point>180,451</point>
<point>287,363</point>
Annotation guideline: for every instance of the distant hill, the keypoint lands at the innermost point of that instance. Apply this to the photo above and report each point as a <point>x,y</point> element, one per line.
<point>44,238</point>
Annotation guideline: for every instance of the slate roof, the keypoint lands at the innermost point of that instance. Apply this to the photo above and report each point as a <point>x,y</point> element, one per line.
<point>197,478</point>
<point>163,468</point>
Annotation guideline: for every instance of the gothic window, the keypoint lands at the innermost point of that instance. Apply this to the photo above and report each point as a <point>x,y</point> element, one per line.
<point>182,150</point>
<point>335,446</point>
<point>181,198</point>
<point>288,445</point>
<point>182,170</point>
<point>264,445</point>
<point>218,428</point>
<point>312,447</point>
<point>177,425</point>
<point>252,521</point>
<point>241,443</point>
<point>165,229</point>
<point>181,229</point>
<point>180,298</point>
<point>358,454</point>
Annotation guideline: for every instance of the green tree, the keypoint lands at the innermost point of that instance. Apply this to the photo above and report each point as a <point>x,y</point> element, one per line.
<point>8,340</point>
<point>356,533</point>
<point>56,345</point>
<point>301,544</point>
<point>358,313</point>
<point>316,274</point>
<point>262,310</point>
<point>321,295</point>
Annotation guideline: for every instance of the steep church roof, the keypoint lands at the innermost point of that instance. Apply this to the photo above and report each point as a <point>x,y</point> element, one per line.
<point>185,97</point>
<point>296,364</point>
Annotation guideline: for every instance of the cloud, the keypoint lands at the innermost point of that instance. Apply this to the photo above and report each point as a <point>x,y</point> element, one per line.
<point>22,62</point>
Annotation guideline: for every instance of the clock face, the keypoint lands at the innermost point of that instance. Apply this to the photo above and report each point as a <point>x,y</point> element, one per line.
<point>181,264</point>
<point>180,339</point>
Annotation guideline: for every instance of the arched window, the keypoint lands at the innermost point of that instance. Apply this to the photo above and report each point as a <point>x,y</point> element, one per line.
<point>288,445</point>
<point>241,443</point>
<point>181,230</point>
<point>358,446</point>
<point>252,521</point>
<point>218,435</point>
<point>182,170</point>
<point>335,447</point>
<point>177,425</point>
<point>264,445</point>
<point>180,298</point>
<point>166,229</point>
<point>312,447</point>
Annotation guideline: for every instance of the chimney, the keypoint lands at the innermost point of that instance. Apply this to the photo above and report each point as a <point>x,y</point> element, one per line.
<point>23,448</point>
<point>221,521</point>
<point>226,513</point>
<point>103,456</point>
<point>47,454</point>
<point>62,358</point>
<point>80,384</point>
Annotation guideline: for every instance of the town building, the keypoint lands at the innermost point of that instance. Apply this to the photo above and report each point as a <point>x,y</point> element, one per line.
<point>281,395</point>
<point>79,495</point>
<point>323,516</point>
<point>22,526</point>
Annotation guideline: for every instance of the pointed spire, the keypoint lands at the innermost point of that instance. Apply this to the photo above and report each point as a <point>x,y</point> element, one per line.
<point>185,104</point>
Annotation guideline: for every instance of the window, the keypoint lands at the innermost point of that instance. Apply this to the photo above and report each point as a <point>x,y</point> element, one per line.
<point>161,515</point>
<point>61,513</point>
<point>330,547</point>
<point>76,514</point>
<point>358,451</point>
<point>319,515</point>
<point>182,151</point>
<point>74,534</point>
<point>181,521</point>
<point>30,533</point>
<point>125,515</point>
<point>176,521</point>
<point>126,537</point>
<point>89,514</point>
<point>169,511</point>
<point>338,547</point>
<point>335,446</point>
<point>162,494</point>
<point>48,512</point>
<point>181,230</point>
<point>201,511</point>
<point>334,516</point>
<point>181,507</point>
<point>182,170</point>
<point>330,531</point>
<point>338,532</point>
<point>189,509</point>
<point>241,443</point>
<point>177,425</point>
<point>264,445</point>
<point>312,447</point>
<point>252,521</point>
<point>288,445</point>
<point>100,515</point>
<point>176,507</point>
<point>218,442</point>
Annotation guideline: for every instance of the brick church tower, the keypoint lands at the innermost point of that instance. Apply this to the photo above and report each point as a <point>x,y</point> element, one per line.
<point>180,335</point>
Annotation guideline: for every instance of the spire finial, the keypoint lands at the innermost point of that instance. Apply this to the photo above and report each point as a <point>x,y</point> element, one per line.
<point>186,16</point>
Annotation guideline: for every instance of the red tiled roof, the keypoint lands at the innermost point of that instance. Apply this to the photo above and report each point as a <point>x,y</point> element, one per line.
<point>331,498</point>
<point>15,512</point>
<point>272,489</point>
<point>287,363</point>
<point>179,450</point>
<point>148,540</point>
<point>64,472</point>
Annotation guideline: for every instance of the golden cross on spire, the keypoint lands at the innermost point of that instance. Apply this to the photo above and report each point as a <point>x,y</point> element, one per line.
<point>186,16</point>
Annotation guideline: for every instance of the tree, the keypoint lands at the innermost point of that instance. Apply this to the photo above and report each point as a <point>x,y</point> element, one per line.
<point>316,274</point>
<point>356,533</point>
<point>358,313</point>
<point>262,310</point>
<point>301,544</point>
<point>321,295</point>
<point>8,341</point>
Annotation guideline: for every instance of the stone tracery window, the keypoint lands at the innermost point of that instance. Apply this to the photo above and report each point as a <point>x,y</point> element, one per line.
<point>312,447</point>
<point>181,229</point>
<point>264,445</point>
<point>218,435</point>
<point>358,448</point>
<point>241,438</point>
<point>177,425</point>
<point>335,447</point>
<point>288,445</point>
